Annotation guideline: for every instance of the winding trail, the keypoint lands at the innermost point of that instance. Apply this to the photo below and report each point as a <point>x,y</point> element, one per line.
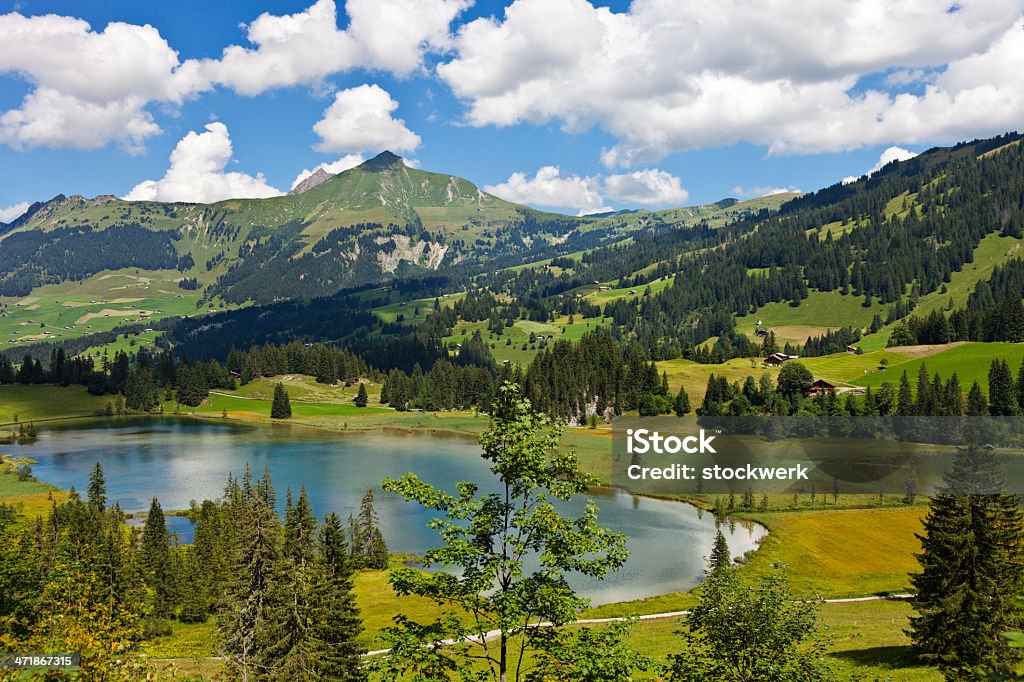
<point>649,616</point>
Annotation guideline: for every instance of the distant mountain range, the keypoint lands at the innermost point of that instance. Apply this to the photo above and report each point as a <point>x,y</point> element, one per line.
<point>377,221</point>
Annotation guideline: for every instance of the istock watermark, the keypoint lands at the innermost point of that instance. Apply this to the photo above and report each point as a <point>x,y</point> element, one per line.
<point>829,455</point>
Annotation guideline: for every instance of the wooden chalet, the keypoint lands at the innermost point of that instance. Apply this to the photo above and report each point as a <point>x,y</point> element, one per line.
<point>821,387</point>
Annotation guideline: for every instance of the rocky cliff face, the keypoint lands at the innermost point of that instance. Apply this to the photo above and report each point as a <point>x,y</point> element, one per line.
<point>311,181</point>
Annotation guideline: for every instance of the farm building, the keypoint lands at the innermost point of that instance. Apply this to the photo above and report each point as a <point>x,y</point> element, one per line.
<point>821,387</point>
<point>776,359</point>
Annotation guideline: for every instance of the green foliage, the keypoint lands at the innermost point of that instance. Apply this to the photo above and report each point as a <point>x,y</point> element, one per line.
<point>361,397</point>
<point>281,408</point>
<point>971,570</point>
<point>682,402</point>
<point>794,379</point>
<point>487,539</point>
<point>368,548</point>
<point>743,632</point>
<point>589,654</point>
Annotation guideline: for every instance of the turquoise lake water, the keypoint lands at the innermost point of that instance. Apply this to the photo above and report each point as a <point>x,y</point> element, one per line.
<point>182,460</point>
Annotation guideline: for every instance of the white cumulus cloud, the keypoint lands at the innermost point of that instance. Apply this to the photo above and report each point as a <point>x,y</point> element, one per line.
<point>758,192</point>
<point>307,46</point>
<point>888,156</point>
<point>196,173</point>
<point>334,167</point>
<point>549,187</point>
<point>14,211</point>
<point>665,76</point>
<point>650,187</point>
<point>92,87</point>
<point>361,120</point>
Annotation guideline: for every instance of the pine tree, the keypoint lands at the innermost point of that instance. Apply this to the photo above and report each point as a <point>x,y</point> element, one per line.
<point>368,546</point>
<point>904,398</point>
<point>291,612</point>
<point>971,570</point>
<point>336,623</point>
<point>361,397</point>
<point>245,613</point>
<point>977,406</point>
<point>682,402</point>
<point>281,408</point>
<point>97,488</point>
<point>721,558</point>
<point>156,561</point>
<point>1002,400</point>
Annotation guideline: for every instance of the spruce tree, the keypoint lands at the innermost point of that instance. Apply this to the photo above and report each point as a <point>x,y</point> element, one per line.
<point>291,612</point>
<point>682,402</point>
<point>361,397</point>
<point>281,408</point>
<point>971,570</point>
<point>1002,400</point>
<point>336,624</point>
<point>977,406</point>
<point>156,561</point>
<point>97,488</point>
<point>904,398</point>
<point>245,613</point>
<point>368,543</point>
<point>721,558</point>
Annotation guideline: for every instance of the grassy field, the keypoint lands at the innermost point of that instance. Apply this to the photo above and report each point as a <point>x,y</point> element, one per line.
<point>100,303</point>
<point>795,324</point>
<point>29,403</point>
<point>509,346</point>
<point>843,553</point>
<point>969,360</point>
<point>694,376</point>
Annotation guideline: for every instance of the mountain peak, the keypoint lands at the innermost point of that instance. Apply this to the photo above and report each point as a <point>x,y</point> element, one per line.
<point>383,161</point>
<point>310,181</point>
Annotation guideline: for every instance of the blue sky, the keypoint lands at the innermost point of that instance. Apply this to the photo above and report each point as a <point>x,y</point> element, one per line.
<point>563,104</point>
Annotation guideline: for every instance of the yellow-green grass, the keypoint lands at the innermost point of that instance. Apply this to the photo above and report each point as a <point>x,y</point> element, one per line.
<point>835,553</point>
<point>820,312</point>
<point>390,312</point>
<point>851,368</point>
<point>693,376</point>
<point>217,403</point>
<point>29,498</point>
<point>307,389</point>
<point>45,314</point>
<point>602,297</point>
<point>969,360</point>
<point>993,250</point>
<point>509,345</point>
<point>29,403</point>
<point>11,486</point>
<point>843,553</point>
<point>864,638</point>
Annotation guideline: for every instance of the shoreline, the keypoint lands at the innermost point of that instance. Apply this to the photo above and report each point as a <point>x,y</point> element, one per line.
<point>408,430</point>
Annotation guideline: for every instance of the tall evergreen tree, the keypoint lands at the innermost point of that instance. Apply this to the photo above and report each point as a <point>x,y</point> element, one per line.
<point>281,408</point>
<point>971,570</point>
<point>245,613</point>
<point>1002,399</point>
<point>97,488</point>
<point>682,402</point>
<point>156,561</point>
<point>361,397</point>
<point>720,557</point>
<point>336,624</point>
<point>977,406</point>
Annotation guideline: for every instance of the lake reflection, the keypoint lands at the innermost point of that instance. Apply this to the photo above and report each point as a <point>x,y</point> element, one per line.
<point>182,460</point>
